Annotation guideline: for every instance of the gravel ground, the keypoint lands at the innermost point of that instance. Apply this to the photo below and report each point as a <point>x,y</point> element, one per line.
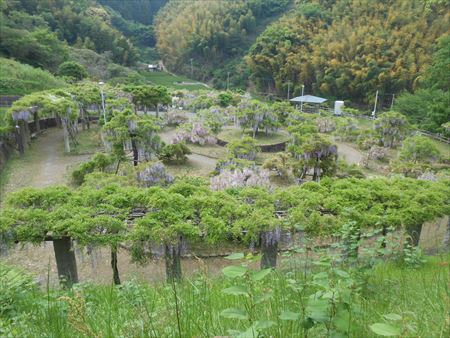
<point>44,164</point>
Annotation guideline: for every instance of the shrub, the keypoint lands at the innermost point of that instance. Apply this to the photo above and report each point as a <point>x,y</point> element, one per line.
<point>15,285</point>
<point>244,148</point>
<point>194,133</point>
<point>100,162</point>
<point>419,149</point>
<point>174,153</point>
<point>347,129</point>
<point>279,164</point>
<point>73,70</point>
<point>346,170</point>
<point>391,128</point>
<point>226,99</point>
<point>241,178</point>
<point>377,153</point>
<point>213,119</point>
<point>201,102</point>
<point>353,111</point>
<point>233,164</point>
<point>366,140</point>
<point>325,124</point>
<point>174,118</point>
<point>154,175</point>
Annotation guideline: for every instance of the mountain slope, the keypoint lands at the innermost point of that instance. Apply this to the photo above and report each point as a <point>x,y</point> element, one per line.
<point>141,11</point>
<point>214,34</point>
<point>348,49</point>
<point>20,79</point>
<point>37,32</point>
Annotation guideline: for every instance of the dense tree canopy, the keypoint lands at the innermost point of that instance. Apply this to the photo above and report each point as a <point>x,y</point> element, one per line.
<point>210,32</point>
<point>142,11</point>
<point>429,106</point>
<point>21,79</point>
<point>97,213</point>
<point>348,49</point>
<point>37,32</point>
<point>72,70</point>
<point>419,149</point>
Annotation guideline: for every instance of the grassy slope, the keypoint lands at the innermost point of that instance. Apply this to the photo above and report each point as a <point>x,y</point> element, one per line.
<point>20,79</point>
<point>139,310</point>
<point>171,81</point>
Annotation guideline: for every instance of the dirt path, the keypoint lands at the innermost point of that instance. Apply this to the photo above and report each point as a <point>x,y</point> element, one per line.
<point>196,162</point>
<point>44,164</point>
<point>348,153</point>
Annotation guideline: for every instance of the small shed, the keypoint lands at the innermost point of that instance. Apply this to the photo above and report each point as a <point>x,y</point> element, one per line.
<point>310,100</point>
<point>153,68</point>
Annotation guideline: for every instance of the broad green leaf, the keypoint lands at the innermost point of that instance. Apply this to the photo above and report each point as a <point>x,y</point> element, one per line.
<point>234,271</point>
<point>264,324</point>
<point>317,309</point>
<point>234,256</point>
<point>328,295</point>
<point>234,313</point>
<point>264,297</point>
<point>249,333</point>
<point>338,334</point>
<point>261,274</point>
<point>393,316</point>
<point>342,273</point>
<point>236,290</point>
<point>234,333</point>
<point>289,315</point>
<point>321,275</point>
<point>385,330</point>
<point>342,320</point>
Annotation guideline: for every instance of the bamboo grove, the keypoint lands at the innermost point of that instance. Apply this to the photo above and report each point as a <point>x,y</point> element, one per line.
<point>106,211</point>
<point>345,49</point>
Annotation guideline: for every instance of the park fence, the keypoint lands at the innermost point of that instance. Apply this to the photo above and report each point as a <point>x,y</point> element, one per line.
<point>436,137</point>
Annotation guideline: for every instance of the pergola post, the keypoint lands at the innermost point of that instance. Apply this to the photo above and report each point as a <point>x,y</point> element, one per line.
<point>65,261</point>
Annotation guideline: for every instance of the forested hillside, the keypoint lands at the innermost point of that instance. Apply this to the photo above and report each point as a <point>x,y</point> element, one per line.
<point>214,34</point>
<point>348,49</point>
<point>343,49</point>
<point>38,32</point>
<point>20,79</point>
<point>142,11</point>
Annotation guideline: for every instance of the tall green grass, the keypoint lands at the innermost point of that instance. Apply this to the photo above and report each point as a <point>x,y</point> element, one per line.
<point>171,81</point>
<point>193,308</point>
<point>19,79</point>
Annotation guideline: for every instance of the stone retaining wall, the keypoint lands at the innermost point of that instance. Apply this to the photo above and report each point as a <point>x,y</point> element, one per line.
<point>435,235</point>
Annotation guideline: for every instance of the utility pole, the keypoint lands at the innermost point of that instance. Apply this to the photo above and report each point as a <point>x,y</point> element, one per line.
<point>375,106</point>
<point>301,102</point>
<point>289,90</point>
<point>192,67</point>
<point>228,80</point>
<point>101,84</point>
<point>392,103</point>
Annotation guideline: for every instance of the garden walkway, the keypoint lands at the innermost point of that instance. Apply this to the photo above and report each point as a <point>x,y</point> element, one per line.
<point>44,164</point>
<point>201,162</point>
<point>348,153</point>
